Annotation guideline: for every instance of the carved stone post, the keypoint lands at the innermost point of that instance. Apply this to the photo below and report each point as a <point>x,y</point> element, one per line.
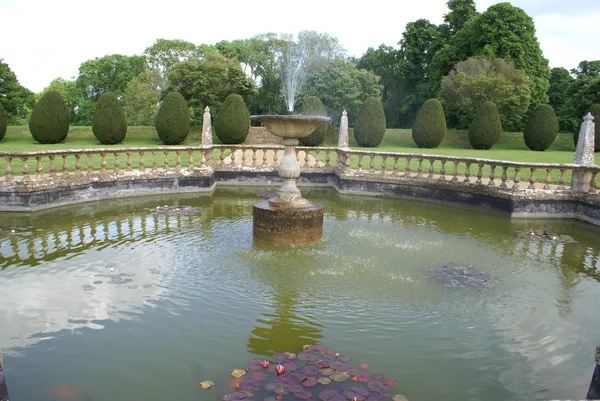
<point>3,390</point>
<point>584,154</point>
<point>343,138</point>
<point>206,128</point>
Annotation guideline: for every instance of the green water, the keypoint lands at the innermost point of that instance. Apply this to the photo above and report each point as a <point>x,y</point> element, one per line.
<point>203,299</point>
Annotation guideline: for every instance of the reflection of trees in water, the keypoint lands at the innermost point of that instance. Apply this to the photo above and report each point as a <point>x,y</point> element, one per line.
<point>287,329</point>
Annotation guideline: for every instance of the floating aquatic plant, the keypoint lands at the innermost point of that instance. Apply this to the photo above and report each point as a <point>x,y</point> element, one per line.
<point>316,373</point>
<point>462,276</point>
<point>545,236</point>
<point>166,209</point>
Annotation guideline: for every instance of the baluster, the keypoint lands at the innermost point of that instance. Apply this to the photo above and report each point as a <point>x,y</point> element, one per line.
<point>154,161</point>
<point>90,165</point>
<point>65,165</point>
<point>102,162</point>
<point>532,178</point>
<point>317,157</point>
<point>116,163</point>
<point>166,160</point>
<point>306,157</point>
<point>592,189</point>
<point>561,180</point>
<point>360,161</point>
<point>178,159</point>
<point>190,160</point>
<point>420,168</point>
<point>9,169</point>
<point>492,176</point>
<point>396,171</point>
<point>222,155</point>
<point>443,170</point>
<point>517,178</point>
<point>504,177</point>
<point>129,161</point>
<point>479,173</point>
<point>547,180</point>
<point>254,157</point>
<point>371,163</point>
<point>455,171</point>
<point>25,167</point>
<point>346,160</point>
<point>327,157</point>
<point>141,162</point>
<point>203,158</point>
<point>276,157</point>
<point>52,166</point>
<point>467,172</point>
<point>38,167</point>
<point>407,167</point>
<point>430,170</point>
<point>78,164</point>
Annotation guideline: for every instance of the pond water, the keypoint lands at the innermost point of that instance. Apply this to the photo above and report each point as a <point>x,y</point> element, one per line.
<point>187,296</point>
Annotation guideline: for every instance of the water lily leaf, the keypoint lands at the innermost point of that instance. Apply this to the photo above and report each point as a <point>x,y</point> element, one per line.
<point>308,356</point>
<point>390,381</point>
<point>255,364</point>
<point>362,377</point>
<point>378,376</point>
<point>386,392</point>
<point>303,394</point>
<point>250,385</point>
<point>309,382</point>
<point>375,385</point>
<point>281,356</point>
<point>294,387</point>
<point>322,363</point>
<point>206,384</point>
<point>259,376</point>
<point>310,370</point>
<point>357,393</point>
<point>270,386</point>
<point>327,371</point>
<point>399,397</point>
<point>238,372</point>
<point>324,380</point>
<point>339,365</point>
<point>331,394</point>
<point>339,376</point>
<point>365,366</point>
<point>238,395</point>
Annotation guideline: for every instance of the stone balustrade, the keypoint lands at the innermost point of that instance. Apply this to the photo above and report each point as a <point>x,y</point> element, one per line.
<point>35,169</point>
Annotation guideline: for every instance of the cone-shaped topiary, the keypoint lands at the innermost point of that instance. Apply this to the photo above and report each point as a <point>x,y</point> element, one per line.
<point>173,119</point>
<point>595,111</point>
<point>486,127</point>
<point>110,123</point>
<point>233,120</point>
<point>3,122</point>
<point>369,128</point>
<point>49,121</point>
<point>429,128</point>
<point>312,106</point>
<point>541,128</point>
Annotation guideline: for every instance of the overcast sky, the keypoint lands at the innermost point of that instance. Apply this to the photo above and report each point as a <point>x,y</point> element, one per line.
<point>46,39</point>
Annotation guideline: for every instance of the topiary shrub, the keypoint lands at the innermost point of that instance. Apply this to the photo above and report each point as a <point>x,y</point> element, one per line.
<point>369,128</point>
<point>486,127</point>
<point>595,111</point>
<point>541,128</point>
<point>312,106</point>
<point>110,123</point>
<point>429,128</point>
<point>173,119</point>
<point>232,121</point>
<point>3,122</point>
<point>49,122</point>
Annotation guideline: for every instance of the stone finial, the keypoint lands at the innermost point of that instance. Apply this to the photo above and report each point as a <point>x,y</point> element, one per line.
<point>343,137</point>
<point>584,154</point>
<point>598,355</point>
<point>206,127</point>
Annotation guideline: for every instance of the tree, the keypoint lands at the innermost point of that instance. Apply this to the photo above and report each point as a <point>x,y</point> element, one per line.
<point>558,98</point>
<point>110,73</point>
<point>165,54</point>
<point>233,120</point>
<point>16,100</point>
<point>49,121</point>
<point>340,85</point>
<point>3,122</point>
<point>486,127</point>
<point>110,122</point>
<point>312,106</point>
<point>173,119</point>
<point>141,98</point>
<point>430,125</point>
<point>461,11</point>
<point>475,81</point>
<point>370,123</point>
<point>71,93</point>
<point>541,128</point>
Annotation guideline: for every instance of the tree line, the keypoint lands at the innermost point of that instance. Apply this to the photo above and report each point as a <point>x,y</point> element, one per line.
<point>469,59</point>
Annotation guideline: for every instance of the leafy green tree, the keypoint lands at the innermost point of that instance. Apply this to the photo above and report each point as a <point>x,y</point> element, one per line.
<point>587,69</point>
<point>233,120</point>
<point>461,11</point>
<point>558,98</point>
<point>312,106</point>
<point>541,128</point>
<point>475,81</point>
<point>49,121</point>
<point>165,54</point>
<point>141,98</point>
<point>173,119</point>
<point>3,122</point>
<point>16,100</point>
<point>370,123</point>
<point>486,127</point>
<point>340,85</point>
<point>430,125</point>
<point>582,93</point>
<point>110,122</point>
<point>109,73</point>
<point>71,93</point>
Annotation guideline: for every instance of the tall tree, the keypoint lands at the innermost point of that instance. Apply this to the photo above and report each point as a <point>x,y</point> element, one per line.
<point>16,100</point>
<point>110,73</point>
<point>560,82</point>
<point>164,54</point>
<point>461,11</point>
<point>71,93</point>
<point>141,98</point>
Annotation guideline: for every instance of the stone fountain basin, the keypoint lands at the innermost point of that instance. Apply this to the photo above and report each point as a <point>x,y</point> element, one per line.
<point>290,126</point>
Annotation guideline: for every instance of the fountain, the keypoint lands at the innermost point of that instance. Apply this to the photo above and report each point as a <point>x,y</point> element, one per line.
<point>287,217</point>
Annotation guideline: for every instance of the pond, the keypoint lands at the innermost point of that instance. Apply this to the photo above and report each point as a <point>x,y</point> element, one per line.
<point>116,300</point>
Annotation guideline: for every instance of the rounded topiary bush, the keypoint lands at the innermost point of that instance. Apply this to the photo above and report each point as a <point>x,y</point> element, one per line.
<point>595,111</point>
<point>233,120</point>
<point>486,127</point>
<point>369,128</point>
<point>173,119</point>
<point>49,122</point>
<point>3,122</point>
<point>541,128</point>
<point>110,123</point>
<point>312,106</point>
<point>429,128</point>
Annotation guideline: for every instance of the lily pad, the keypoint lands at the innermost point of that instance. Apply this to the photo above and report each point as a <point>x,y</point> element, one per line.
<point>324,380</point>
<point>365,366</point>
<point>339,365</point>
<point>310,370</point>
<point>249,385</point>
<point>378,376</point>
<point>390,381</point>
<point>358,393</point>
<point>260,376</point>
<point>362,377</point>
<point>255,364</point>
<point>339,376</point>
<point>399,397</point>
<point>147,285</point>
<point>238,372</point>
<point>375,385</point>
<point>98,282</point>
<point>331,394</point>
<point>206,384</point>
<point>88,287</point>
<point>132,287</point>
<point>309,382</point>
<point>238,395</point>
<point>308,356</point>
<point>327,371</point>
<point>280,356</point>
<point>303,394</point>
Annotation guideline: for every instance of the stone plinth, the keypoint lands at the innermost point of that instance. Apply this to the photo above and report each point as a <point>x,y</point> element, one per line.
<point>287,225</point>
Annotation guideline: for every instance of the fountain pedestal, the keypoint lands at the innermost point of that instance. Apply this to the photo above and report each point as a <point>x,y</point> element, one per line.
<point>288,218</point>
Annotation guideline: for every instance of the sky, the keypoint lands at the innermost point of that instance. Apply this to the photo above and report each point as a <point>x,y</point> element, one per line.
<point>46,39</point>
